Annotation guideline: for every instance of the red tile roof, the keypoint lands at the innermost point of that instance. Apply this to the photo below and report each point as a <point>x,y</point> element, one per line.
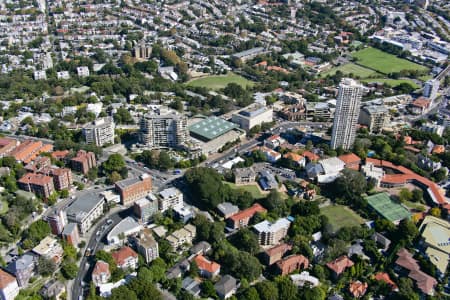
<point>292,263</point>
<point>206,265</point>
<point>311,156</point>
<point>122,254</point>
<point>282,248</point>
<point>37,179</point>
<point>421,102</point>
<point>100,268</point>
<point>60,154</point>
<point>381,276</point>
<point>406,260</point>
<point>5,279</point>
<point>248,213</point>
<point>339,265</point>
<point>358,288</point>
<point>293,156</point>
<point>350,158</point>
<point>408,176</point>
<point>424,282</point>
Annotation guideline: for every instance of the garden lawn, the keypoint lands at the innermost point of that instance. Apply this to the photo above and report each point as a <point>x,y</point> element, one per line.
<point>391,82</point>
<point>384,62</point>
<point>352,68</point>
<point>217,82</point>
<point>251,188</point>
<point>341,216</point>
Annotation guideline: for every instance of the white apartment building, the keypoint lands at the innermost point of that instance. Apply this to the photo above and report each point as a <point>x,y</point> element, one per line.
<point>83,71</point>
<point>49,248</point>
<point>40,75</point>
<point>346,115</point>
<point>182,236</point>
<point>271,233</point>
<point>431,88</point>
<point>253,115</point>
<point>9,288</point>
<point>163,130</point>
<point>170,198</point>
<point>85,210</point>
<point>100,132</point>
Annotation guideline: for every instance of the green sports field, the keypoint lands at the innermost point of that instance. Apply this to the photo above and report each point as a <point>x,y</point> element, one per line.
<point>384,62</point>
<point>354,69</point>
<point>391,82</point>
<point>341,216</point>
<point>387,208</point>
<point>251,188</point>
<point>217,82</point>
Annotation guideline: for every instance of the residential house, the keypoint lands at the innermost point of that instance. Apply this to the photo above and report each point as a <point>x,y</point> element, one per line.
<point>242,218</point>
<point>339,265</point>
<point>125,258</point>
<point>101,273</point>
<point>207,268</point>
<point>201,248</point>
<point>274,141</point>
<point>226,287</point>
<point>351,161</point>
<point>244,175</point>
<point>291,263</point>
<point>182,236</point>
<point>191,286</point>
<point>271,155</point>
<point>267,180</point>
<point>300,279</point>
<point>9,288</point>
<point>358,288</point>
<point>298,159</point>
<point>274,254</point>
<point>49,248</point>
<point>407,265</point>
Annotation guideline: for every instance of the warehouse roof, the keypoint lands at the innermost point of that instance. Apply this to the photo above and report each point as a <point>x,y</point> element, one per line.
<point>211,128</point>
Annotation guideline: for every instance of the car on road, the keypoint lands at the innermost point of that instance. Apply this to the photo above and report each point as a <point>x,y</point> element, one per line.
<point>109,221</point>
<point>88,252</point>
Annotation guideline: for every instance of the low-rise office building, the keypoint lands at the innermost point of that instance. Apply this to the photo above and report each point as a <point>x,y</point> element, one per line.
<point>85,210</point>
<point>133,189</point>
<point>253,115</point>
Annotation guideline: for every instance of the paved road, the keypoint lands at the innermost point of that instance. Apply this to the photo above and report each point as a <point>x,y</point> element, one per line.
<point>94,243</point>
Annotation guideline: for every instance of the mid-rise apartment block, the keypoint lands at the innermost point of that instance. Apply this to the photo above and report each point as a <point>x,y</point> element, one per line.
<point>39,184</point>
<point>431,88</point>
<point>100,132</point>
<point>7,145</point>
<point>71,234</point>
<point>170,198</point>
<point>62,177</point>
<point>270,234</point>
<point>163,130</point>
<point>375,117</point>
<point>146,245</point>
<point>83,161</point>
<point>57,219</point>
<point>145,208</point>
<point>133,189</point>
<point>29,150</point>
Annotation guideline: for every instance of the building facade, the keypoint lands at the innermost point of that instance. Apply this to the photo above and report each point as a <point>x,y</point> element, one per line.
<point>431,88</point>
<point>85,210</point>
<point>83,161</point>
<point>9,288</point>
<point>346,115</point>
<point>57,220</point>
<point>374,117</point>
<point>163,130</point>
<point>252,116</point>
<point>145,208</point>
<point>39,184</point>
<point>133,189</point>
<point>100,132</point>
<point>146,245</point>
<point>270,234</point>
<point>170,198</point>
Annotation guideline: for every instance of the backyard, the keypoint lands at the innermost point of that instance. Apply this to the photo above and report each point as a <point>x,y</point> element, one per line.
<point>217,82</point>
<point>340,216</point>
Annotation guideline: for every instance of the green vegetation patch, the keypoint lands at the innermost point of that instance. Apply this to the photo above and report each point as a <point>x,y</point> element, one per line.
<point>3,207</point>
<point>391,82</point>
<point>341,216</point>
<point>384,62</point>
<point>387,208</point>
<point>251,188</point>
<point>354,69</point>
<point>217,82</point>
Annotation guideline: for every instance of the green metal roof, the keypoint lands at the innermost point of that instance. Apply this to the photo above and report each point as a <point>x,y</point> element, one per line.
<point>387,208</point>
<point>211,128</point>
